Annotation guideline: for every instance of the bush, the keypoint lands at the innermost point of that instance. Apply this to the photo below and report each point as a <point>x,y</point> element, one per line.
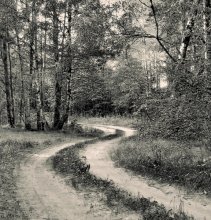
<point>77,129</point>
<point>182,119</point>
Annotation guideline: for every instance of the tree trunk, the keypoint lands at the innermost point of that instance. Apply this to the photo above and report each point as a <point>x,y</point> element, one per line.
<point>28,100</point>
<point>22,98</point>
<point>207,34</point>
<point>11,84</point>
<point>186,38</point>
<point>7,83</point>
<point>37,80</point>
<point>58,88</point>
<point>207,49</point>
<point>188,31</point>
<point>65,115</point>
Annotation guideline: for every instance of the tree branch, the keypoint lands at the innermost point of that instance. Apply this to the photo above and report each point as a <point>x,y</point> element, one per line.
<point>144,4</point>
<point>157,32</point>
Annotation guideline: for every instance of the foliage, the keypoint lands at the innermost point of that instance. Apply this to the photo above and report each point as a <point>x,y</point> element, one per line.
<point>82,131</point>
<point>65,43</point>
<point>127,85</point>
<point>90,95</point>
<point>182,119</point>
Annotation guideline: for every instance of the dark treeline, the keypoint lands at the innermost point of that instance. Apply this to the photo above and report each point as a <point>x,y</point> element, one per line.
<point>80,57</point>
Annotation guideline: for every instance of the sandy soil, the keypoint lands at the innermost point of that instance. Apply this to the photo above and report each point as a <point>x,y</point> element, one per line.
<point>171,197</point>
<point>44,195</point>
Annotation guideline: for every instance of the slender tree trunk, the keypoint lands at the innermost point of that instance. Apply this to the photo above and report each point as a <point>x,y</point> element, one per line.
<point>28,94</point>
<point>58,87</point>
<point>11,84</point>
<point>157,74</point>
<point>22,98</point>
<point>27,113</point>
<point>7,83</point>
<point>37,82</point>
<point>207,64</point>
<point>31,68</point>
<point>188,31</point>
<point>65,115</point>
<point>186,38</point>
<point>207,35</point>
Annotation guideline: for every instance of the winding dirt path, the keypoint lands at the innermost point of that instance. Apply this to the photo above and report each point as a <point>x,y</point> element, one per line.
<point>45,195</point>
<point>172,198</point>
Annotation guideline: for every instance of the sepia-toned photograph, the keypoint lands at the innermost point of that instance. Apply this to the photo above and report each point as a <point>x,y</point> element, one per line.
<point>105,109</point>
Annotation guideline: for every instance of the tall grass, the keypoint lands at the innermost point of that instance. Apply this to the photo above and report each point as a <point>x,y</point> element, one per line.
<point>186,164</point>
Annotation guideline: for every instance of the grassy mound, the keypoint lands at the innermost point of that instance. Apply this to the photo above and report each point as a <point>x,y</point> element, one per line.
<point>186,164</point>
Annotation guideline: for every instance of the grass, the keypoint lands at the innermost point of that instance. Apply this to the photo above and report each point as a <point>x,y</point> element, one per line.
<point>185,163</point>
<point>15,145</point>
<point>10,154</point>
<point>110,120</point>
<point>68,163</point>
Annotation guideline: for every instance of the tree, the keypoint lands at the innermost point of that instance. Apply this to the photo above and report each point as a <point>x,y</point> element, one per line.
<point>5,55</point>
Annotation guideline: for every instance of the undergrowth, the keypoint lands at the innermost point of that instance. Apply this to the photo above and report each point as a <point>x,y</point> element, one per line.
<point>187,164</point>
<point>83,131</point>
<point>68,162</point>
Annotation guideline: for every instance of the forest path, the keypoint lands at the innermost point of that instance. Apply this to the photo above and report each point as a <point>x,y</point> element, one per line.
<point>171,197</point>
<point>44,195</point>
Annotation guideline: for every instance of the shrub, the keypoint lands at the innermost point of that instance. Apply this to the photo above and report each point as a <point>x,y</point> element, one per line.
<point>182,119</point>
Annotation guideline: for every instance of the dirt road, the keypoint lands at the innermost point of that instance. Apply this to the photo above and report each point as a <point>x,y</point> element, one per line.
<point>44,195</point>
<point>173,198</point>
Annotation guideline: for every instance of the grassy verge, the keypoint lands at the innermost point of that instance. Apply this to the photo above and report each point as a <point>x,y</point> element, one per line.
<point>68,163</point>
<point>15,145</point>
<point>187,164</point>
<point>11,153</point>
